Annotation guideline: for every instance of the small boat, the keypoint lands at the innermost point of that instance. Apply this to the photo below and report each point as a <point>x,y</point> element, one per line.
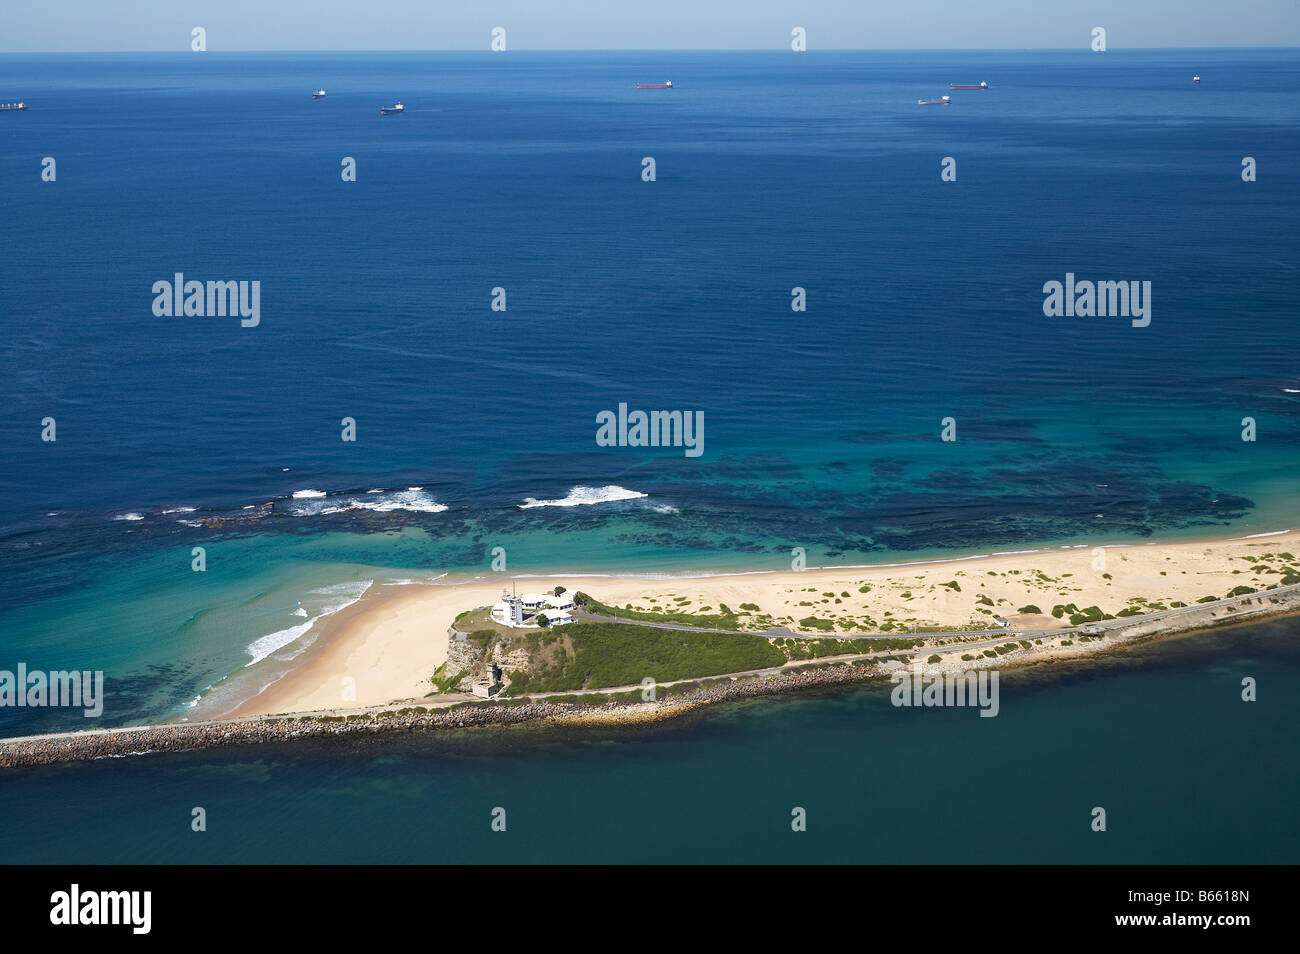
<point>1196,78</point>
<point>319,94</point>
<point>395,110</point>
<point>12,106</point>
<point>982,85</point>
<point>667,85</point>
<point>941,101</point>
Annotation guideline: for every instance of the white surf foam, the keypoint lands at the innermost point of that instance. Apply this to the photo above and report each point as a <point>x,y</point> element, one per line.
<point>128,516</point>
<point>411,581</point>
<point>583,496</point>
<point>345,594</point>
<point>305,494</point>
<point>414,500</point>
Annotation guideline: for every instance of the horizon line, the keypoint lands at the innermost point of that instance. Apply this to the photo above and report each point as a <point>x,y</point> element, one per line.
<point>846,49</point>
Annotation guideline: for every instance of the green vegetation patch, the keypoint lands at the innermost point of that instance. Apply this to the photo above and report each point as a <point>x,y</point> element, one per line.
<point>616,654</point>
<point>1092,614</point>
<point>816,648</point>
<point>812,622</point>
<point>443,681</point>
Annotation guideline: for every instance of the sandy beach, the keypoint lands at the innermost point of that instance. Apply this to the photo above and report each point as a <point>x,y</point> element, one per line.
<point>388,647</point>
<point>389,644</point>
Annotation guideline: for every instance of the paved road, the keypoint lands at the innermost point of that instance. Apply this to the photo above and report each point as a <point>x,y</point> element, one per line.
<point>783,631</point>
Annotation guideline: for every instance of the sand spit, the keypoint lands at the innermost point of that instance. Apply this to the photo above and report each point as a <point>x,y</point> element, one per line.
<point>680,698</point>
<point>386,645</point>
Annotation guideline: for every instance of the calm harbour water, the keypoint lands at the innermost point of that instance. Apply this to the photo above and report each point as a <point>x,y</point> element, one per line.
<point>1159,737</point>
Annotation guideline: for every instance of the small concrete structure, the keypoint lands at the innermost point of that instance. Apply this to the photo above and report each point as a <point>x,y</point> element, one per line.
<point>490,685</point>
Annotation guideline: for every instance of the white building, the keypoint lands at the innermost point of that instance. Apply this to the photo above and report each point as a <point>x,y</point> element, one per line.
<point>522,611</point>
<point>563,602</point>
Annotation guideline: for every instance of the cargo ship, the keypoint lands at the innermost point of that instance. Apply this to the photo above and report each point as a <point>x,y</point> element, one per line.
<point>319,94</point>
<point>982,85</point>
<point>941,101</point>
<point>667,85</point>
<point>391,110</point>
<point>12,106</point>
<point>1196,78</point>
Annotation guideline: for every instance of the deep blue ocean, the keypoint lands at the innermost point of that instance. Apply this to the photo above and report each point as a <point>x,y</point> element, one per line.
<point>476,428</point>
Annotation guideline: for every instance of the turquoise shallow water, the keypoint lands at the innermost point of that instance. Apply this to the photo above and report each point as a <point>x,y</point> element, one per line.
<point>1158,737</point>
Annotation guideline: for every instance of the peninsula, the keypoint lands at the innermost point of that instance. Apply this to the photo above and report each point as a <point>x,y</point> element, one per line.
<point>619,649</point>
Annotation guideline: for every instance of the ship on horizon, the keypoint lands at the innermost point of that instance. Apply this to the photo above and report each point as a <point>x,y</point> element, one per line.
<point>941,101</point>
<point>665,85</point>
<point>396,109</point>
<point>980,85</point>
<point>7,107</point>
<point>319,94</point>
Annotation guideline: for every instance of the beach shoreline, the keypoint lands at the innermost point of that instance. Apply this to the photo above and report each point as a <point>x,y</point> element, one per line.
<point>616,710</point>
<point>383,649</point>
<point>369,643</point>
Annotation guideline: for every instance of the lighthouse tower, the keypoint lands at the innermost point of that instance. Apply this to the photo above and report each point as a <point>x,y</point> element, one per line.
<point>514,609</point>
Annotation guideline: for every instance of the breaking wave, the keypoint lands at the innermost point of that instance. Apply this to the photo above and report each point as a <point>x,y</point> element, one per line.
<point>582,496</point>
<point>338,596</point>
<point>412,499</point>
